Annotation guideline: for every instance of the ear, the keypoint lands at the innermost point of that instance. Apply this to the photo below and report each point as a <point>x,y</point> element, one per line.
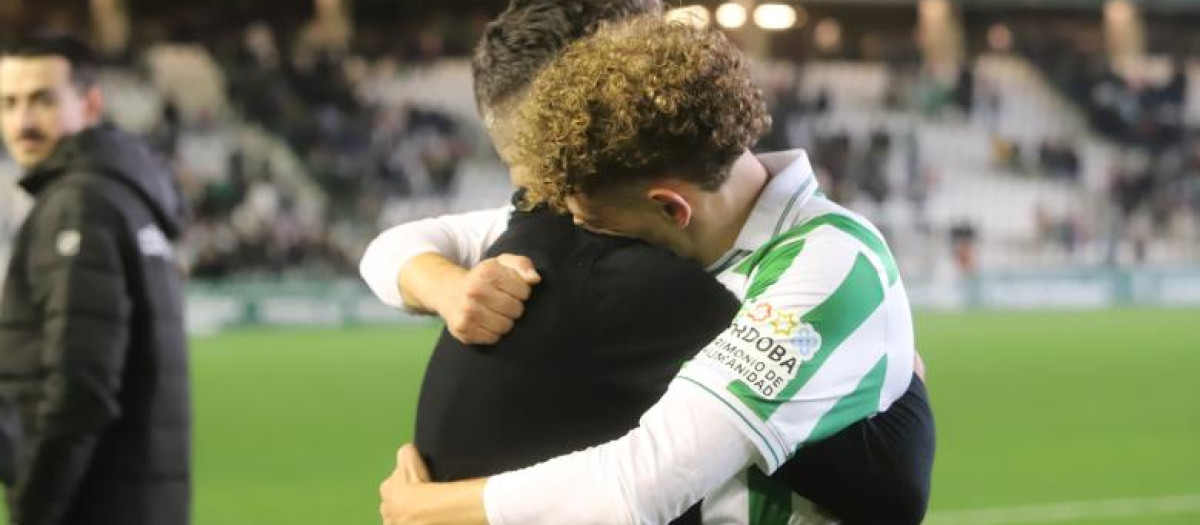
<point>673,206</point>
<point>93,105</point>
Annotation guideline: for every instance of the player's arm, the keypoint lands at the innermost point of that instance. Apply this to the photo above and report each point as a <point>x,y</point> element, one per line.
<point>78,277</point>
<point>457,240</point>
<point>422,266</point>
<point>682,450</point>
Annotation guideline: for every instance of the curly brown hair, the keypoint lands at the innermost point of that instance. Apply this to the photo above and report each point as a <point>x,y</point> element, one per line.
<point>638,100</point>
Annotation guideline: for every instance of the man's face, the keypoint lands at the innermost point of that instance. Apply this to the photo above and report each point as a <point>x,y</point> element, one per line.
<point>39,105</point>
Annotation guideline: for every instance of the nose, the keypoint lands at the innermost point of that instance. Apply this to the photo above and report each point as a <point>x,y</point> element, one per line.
<point>26,116</point>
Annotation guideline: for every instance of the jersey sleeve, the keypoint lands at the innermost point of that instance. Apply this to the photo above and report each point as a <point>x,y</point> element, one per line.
<point>461,238</point>
<point>681,451</point>
<point>806,355</point>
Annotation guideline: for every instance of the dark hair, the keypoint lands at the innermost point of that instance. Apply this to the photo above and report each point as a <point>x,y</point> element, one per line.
<point>531,33</point>
<point>85,66</point>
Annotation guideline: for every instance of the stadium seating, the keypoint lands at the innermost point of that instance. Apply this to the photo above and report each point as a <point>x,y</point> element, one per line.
<point>980,166</point>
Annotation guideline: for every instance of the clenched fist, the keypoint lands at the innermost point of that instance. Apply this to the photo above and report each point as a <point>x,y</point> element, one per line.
<point>482,305</point>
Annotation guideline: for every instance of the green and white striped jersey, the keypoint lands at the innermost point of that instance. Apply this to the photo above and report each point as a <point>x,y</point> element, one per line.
<point>824,338</point>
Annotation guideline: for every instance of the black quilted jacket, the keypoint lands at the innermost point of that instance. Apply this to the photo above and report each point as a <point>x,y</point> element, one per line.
<point>95,416</point>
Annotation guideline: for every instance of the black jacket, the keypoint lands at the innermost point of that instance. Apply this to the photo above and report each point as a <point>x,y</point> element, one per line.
<point>601,337</point>
<point>93,356</point>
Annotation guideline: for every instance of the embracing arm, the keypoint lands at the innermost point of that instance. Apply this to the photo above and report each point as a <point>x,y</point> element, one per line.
<point>684,449</point>
<point>457,240</point>
<point>423,266</point>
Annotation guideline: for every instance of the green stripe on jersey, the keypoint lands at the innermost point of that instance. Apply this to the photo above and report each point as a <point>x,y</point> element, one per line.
<point>772,268</point>
<point>846,224</point>
<point>767,250</point>
<point>861,403</point>
<point>770,501</point>
<point>856,298</point>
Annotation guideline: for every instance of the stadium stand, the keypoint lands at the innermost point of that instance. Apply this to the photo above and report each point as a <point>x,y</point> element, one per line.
<point>294,152</point>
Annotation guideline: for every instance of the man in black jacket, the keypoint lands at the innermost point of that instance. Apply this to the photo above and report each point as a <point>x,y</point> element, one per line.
<point>93,364</point>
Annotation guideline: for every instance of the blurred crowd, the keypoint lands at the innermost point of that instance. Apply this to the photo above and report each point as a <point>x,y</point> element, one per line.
<point>285,160</point>
<point>291,149</point>
<point>1145,109</point>
<point>1143,190</point>
<point>357,154</point>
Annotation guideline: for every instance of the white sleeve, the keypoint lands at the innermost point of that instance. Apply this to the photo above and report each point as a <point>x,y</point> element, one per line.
<point>461,238</point>
<point>684,449</point>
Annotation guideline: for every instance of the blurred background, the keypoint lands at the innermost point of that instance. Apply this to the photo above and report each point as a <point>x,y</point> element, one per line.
<point>1035,166</point>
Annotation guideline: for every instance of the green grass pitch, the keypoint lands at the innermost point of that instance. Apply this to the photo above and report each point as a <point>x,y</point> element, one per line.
<point>299,427</point>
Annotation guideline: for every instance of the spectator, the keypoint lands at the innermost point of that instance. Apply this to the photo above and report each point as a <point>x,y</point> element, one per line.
<point>963,240</point>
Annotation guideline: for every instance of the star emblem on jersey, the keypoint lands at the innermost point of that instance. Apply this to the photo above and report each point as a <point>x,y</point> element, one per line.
<point>785,323</point>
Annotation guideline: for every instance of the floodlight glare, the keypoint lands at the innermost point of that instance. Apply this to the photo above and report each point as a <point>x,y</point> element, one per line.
<point>731,15</point>
<point>774,17</point>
